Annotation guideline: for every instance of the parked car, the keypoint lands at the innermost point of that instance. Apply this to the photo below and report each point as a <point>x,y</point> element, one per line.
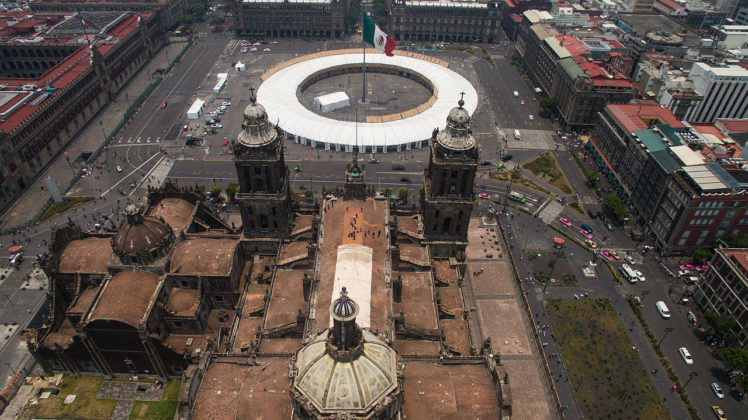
<point>163,104</point>
<point>717,390</point>
<point>586,227</point>
<point>405,180</point>
<point>506,158</point>
<point>629,259</point>
<point>564,221</point>
<point>373,160</point>
<point>590,243</point>
<point>586,234</point>
<point>685,355</point>
<point>684,273</point>
<point>592,213</point>
<point>398,167</point>
<point>718,412</point>
<point>662,309</point>
<point>640,275</point>
<point>609,226</point>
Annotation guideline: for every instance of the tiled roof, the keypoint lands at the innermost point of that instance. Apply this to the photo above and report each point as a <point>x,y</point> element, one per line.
<point>639,117</point>
<point>126,298</point>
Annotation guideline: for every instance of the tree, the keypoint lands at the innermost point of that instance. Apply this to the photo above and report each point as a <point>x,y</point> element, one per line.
<point>309,194</point>
<point>703,253</point>
<point>216,21</point>
<point>187,19</point>
<point>736,360</point>
<point>403,194</point>
<point>215,191</point>
<point>547,103</point>
<point>231,190</point>
<point>721,324</point>
<point>354,15</point>
<point>592,178</point>
<point>615,206</point>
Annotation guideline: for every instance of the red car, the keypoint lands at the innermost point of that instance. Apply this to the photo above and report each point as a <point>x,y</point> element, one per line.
<point>564,221</point>
<point>163,104</point>
<point>586,234</point>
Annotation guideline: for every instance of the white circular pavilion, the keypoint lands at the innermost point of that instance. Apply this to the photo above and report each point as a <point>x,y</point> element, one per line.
<point>400,131</point>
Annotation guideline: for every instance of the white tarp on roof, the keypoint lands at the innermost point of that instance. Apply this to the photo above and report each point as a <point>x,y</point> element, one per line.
<point>331,101</point>
<point>239,66</point>
<point>353,271</point>
<point>278,95</point>
<point>195,109</point>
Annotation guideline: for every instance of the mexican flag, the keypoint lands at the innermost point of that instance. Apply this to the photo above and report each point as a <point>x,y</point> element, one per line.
<point>377,38</point>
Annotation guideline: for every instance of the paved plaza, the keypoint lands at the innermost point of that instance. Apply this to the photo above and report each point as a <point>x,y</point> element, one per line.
<point>501,317</point>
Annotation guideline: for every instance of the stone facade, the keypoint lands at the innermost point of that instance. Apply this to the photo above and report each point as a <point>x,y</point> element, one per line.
<point>444,21</point>
<point>448,197</point>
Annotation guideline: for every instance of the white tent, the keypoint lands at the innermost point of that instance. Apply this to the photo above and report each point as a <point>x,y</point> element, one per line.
<point>331,101</point>
<point>222,78</point>
<point>195,109</point>
<point>239,66</point>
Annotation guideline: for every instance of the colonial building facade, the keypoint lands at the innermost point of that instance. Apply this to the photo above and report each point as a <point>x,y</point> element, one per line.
<point>56,88</point>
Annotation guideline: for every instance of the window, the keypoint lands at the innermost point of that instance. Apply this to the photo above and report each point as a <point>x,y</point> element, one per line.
<point>218,298</point>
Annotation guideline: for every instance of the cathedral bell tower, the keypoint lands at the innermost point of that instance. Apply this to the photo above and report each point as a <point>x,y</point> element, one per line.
<point>448,196</point>
<point>264,195</point>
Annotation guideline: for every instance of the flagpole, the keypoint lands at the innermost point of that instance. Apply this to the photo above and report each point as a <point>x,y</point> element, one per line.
<point>363,89</point>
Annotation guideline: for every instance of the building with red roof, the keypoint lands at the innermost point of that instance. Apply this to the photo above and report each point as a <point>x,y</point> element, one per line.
<point>722,289</point>
<point>56,72</point>
<point>582,71</point>
<point>686,182</point>
<point>166,11</point>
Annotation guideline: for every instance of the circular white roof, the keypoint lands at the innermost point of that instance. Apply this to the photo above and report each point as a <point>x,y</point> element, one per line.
<point>278,95</point>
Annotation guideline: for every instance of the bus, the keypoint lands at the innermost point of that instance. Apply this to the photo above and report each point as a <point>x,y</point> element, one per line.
<point>628,273</point>
<point>519,197</point>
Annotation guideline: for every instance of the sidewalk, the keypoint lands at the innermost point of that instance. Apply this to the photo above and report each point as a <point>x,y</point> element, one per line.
<point>90,139</point>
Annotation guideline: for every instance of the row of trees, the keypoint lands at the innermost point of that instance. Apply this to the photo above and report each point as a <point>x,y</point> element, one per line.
<point>735,357</point>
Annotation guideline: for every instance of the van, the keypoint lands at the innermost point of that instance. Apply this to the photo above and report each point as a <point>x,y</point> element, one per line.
<point>516,134</point>
<point>691,280</point>
<point>516,94</point>
<point>662,309</point>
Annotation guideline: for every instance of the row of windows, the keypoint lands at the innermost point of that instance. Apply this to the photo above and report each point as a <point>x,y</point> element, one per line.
<point>697,222</point>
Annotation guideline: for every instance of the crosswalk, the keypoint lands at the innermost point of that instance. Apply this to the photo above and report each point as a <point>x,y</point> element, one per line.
<point>588,199</point>
<point>138,140</point>
<point>532,140</point>
<point>549,211</point>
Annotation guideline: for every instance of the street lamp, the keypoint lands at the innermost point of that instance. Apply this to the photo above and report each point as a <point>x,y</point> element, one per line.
<point>668,330</point>
<point>548,280</point>
<point>67,158</point>
<point>690,377</point>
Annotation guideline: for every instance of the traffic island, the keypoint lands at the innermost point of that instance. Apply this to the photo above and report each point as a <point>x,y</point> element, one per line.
<point>606,373</point>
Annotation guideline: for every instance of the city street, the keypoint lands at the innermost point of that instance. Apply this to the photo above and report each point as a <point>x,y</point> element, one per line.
<point>152,148</point>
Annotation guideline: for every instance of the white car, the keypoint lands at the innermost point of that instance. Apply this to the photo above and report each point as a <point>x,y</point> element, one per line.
<point>717,390</point>
<point>629,259</point>
<point>217,125</point>
<point>266,49</point>
<point>531,117</point>
<point>640,275</point>
<point>685,355</point>
<point>684,273</point>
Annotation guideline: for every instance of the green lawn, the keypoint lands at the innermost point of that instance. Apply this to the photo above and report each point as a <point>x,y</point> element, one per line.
<point>607,375</point>
<point>67,204</point>
<point>517,178</point>
<point>545,166</point>
<point>576,207</point>
<point>163,409</point>
<point>85,406</point>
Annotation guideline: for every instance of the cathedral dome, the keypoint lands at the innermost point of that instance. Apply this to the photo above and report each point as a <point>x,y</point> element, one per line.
<point>457,135</point>
<point>142,239</point>
<point>256,131</point>
<point>346,370</point>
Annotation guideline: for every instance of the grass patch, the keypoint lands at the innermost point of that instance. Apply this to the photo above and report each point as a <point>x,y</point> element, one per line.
<point>85,406</point>
<point>607,375</point>
<point>546,167</point>
<point>158,410</point>
<point>517,178</point>
<point>67,204</point>
<point>541,263</point>
<point>576,206</point>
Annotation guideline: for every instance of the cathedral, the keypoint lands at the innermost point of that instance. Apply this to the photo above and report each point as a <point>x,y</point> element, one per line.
<point>341,308</point>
